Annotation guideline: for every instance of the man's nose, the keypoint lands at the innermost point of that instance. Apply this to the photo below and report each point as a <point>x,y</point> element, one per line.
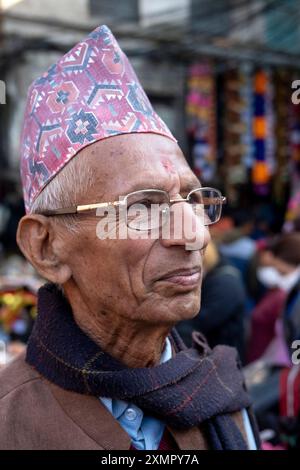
<point>185,228</point>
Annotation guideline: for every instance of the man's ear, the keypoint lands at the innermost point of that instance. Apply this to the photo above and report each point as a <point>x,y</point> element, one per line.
<point>35,237</point>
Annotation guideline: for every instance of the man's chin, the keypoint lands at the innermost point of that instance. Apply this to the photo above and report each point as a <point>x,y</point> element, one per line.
<point>186,309</point>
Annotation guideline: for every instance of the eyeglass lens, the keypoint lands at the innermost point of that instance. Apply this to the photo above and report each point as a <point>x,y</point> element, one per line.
<point>149,209</point>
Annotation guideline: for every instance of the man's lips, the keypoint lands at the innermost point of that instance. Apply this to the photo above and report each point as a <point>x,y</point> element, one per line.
<point>184,277</point>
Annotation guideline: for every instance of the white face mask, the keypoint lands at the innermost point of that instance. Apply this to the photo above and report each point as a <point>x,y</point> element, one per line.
<point>271,278</point>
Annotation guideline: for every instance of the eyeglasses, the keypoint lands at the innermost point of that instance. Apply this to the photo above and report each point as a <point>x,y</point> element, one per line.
<point>149,209</point>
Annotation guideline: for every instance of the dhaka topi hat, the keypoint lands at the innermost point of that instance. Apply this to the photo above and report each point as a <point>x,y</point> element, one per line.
<point>90,94</point>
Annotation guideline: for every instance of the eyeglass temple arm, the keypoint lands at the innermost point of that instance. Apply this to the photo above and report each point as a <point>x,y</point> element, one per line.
<point>78,209</point>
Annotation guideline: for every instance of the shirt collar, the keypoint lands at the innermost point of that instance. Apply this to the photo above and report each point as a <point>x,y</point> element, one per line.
<point>167,352</point>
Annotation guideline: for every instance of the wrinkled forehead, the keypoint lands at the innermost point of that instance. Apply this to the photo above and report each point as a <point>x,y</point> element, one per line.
<point>139,161</point>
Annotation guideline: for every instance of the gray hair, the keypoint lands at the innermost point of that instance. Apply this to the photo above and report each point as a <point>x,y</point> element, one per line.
<point>65,190</point>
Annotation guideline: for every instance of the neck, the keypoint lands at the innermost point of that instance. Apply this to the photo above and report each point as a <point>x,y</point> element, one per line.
<point>135,344</point>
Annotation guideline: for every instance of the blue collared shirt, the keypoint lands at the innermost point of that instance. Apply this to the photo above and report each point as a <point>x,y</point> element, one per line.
<point>145,431</point>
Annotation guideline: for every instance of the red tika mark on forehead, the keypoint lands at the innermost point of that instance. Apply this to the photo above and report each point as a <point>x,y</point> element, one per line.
<point>168,165</point>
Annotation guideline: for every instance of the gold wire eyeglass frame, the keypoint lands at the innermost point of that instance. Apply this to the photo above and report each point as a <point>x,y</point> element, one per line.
<point>218,200</point>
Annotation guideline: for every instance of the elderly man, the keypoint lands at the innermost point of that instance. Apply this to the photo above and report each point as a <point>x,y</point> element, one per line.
<point>105,368</point>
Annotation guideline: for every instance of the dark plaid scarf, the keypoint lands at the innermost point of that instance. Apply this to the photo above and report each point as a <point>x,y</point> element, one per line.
<point>196,386</point>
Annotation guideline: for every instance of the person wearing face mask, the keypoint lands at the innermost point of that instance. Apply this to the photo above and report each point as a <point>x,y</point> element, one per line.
<point>278,271</point>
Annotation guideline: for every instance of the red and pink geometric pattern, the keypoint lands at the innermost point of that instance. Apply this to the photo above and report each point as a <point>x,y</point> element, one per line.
<point>90,94</point>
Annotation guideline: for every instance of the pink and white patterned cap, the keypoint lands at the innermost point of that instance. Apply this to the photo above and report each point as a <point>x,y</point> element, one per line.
<point>90,94</point>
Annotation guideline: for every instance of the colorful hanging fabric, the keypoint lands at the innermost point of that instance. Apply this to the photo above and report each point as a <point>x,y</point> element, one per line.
<point>292,216</point>
<point>270,123</point>
<point>294,122</point>
<point>282,98</point>
<point>246,92</point>
<point>263,132</point>
<point>201,119</point>
<point>237,125</point>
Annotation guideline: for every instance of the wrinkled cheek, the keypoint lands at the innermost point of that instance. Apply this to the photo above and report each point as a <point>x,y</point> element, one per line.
<point>136,255</point>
